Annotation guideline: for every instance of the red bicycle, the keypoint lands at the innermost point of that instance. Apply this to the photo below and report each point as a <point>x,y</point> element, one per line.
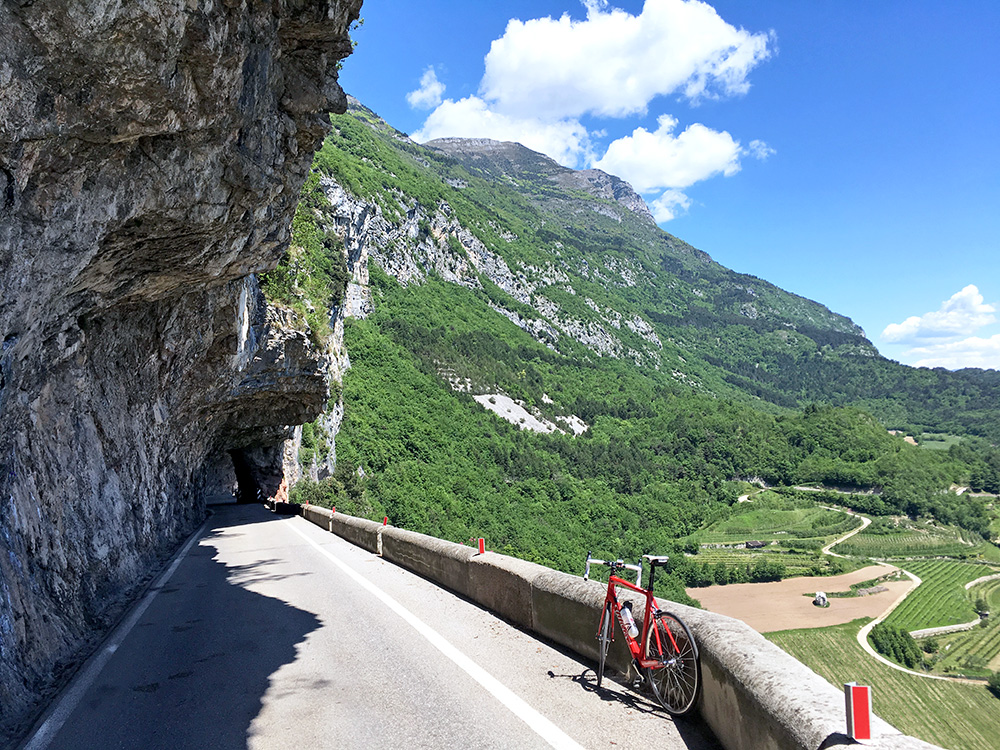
<point>668,655</point>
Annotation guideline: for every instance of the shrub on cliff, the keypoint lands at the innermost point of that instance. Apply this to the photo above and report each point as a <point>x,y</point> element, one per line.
<point>994,684</point>
<point>312,276</point>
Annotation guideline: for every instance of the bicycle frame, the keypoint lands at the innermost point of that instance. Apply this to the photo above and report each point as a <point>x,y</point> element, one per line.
<point>649,613</point>
<point>672,669</point>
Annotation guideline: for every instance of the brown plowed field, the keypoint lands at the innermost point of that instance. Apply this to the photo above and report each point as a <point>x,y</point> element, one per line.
<point>781,605</point>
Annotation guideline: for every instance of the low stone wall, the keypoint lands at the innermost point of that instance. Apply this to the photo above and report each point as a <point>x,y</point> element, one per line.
<point>945,629</point>
<point>754,695</point>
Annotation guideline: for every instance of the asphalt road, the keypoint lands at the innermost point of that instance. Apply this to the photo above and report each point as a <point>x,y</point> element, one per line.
<point>271,633</point>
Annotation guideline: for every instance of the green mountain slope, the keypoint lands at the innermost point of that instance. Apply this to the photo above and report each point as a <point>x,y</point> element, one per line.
<point>486,277</point>
<point>587,235</point>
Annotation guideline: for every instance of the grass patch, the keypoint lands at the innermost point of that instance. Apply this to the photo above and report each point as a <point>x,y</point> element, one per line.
<point>890,537</point>
<point>939,441</point>
<point>772,517</point>
<point>941,598</point>
<point>956,716</point>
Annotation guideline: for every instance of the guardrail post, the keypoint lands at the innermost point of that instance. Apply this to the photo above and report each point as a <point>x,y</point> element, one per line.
<point>859,710</point>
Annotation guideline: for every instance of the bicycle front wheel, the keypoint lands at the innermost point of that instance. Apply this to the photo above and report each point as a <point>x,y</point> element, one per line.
<point>677,680</point>
<point>603,640</point>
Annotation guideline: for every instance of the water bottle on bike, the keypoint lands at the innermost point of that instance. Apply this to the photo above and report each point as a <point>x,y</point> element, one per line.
<point>629,621</point>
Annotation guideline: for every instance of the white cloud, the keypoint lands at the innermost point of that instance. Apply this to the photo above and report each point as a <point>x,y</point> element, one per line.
<point>959,316</point>
<point>543,75</point>
<point>614,63</point>
<point>760,150</point>
<point>670,205</point>
<point>970,352</point>
<point>566,141</point>
<point>594,6</point>
<point>658,160</point>
<point>430,93</point>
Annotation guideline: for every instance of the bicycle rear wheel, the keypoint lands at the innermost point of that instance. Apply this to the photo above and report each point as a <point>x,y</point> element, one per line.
<point>677,681</point>
<point>603,640</point>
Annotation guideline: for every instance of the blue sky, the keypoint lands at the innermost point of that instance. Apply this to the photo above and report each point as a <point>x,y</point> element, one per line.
<point>848,152</point>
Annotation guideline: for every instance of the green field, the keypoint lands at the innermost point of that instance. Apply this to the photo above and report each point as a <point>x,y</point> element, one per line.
<point>917,540</point>
<point>796,563</point>
<point>956,716</point>
<point>793,530</point>
<point>941,598</point>
<point>777,524</point>
<point>940,555</point>
<point>975,651</point>
<point>939,442</point>
<point>902,537</point>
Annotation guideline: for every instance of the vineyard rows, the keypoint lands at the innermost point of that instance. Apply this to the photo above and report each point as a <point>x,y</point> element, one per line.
<point>941,599</point>
<point>979,646</point>
<point>835,654</point>
<point>796,563</point>
<point>768,524</point>
<point>905,544</point>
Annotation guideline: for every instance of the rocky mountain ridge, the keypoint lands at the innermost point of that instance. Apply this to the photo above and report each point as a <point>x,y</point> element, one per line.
<point>433,239</point>
<point>412,240</point>
<point>512,161</point>
<point>151,156</point>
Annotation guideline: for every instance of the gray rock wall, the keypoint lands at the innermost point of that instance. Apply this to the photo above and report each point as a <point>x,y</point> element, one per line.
<point>151,156</point>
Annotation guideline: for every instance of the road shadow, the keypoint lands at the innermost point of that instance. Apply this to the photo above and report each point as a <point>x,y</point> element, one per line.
<point>195,669</point>
<point>612,690</point>
<point>615,689</point>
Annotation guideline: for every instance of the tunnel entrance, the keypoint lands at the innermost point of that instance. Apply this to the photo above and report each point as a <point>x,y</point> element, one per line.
<point>259,473</point>
<point>248,489</point>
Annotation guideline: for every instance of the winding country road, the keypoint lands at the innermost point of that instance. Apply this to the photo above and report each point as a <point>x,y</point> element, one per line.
<point>863,633</point>
<point>865,523</point>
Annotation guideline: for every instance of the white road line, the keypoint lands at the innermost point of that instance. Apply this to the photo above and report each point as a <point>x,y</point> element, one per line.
<point>538,723</point>
<point>69,700</point>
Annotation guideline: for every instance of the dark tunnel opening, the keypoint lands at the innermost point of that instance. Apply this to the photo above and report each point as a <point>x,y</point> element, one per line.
<point>248,489</point>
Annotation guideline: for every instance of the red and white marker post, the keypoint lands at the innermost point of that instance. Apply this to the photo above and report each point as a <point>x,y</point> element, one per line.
<point>859,710</point>
<point>482,546</point>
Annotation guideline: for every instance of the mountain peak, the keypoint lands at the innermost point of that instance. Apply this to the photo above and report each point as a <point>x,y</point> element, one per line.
<point>498,160</point>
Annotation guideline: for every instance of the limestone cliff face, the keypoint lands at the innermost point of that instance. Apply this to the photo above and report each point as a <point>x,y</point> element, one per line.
<point>150,158</point>
<point>416,245</point>
<point>430,240</point>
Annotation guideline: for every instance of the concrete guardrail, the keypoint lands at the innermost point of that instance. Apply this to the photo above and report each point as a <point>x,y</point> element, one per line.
<point>754,695</point>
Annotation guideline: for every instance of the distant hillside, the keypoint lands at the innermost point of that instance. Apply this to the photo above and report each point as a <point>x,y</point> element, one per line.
<point>590,265</point>
<point>498,161</point>
<point>470,276</point>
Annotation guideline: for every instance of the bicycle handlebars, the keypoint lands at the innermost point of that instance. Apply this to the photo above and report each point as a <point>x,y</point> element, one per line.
<point>620,564</point>
<point>615,565</point>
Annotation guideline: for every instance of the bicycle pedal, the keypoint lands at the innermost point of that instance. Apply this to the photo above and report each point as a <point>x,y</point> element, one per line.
<point>639,678</point>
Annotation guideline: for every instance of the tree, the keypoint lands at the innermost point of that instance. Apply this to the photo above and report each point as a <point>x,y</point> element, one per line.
<point>897,644</point>
<point>994,684</point>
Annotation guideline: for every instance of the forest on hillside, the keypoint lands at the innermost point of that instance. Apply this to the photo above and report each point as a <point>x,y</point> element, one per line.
<point>791,394</point>
<point>656,464</point>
